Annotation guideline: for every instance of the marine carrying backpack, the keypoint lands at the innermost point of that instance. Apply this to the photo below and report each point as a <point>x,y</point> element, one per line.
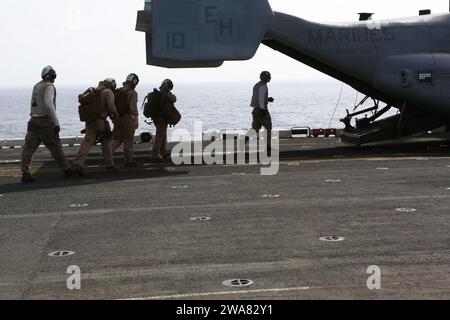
<point>155,107</point>
<point>122,98</point>
<point>152,104</point>
<point>90,108</point>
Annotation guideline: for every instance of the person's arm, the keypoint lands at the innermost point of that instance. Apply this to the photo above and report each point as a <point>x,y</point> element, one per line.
<point>110,106</point>
<point>168,99</point>
<point>172,97</point>
<point>263,91</point>
<point>132,104</point>
<point>49,101</point>
<point>133,107</point>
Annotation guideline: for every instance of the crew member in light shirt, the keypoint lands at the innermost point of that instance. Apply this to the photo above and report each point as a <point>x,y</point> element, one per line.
<point>43,126</point>
<point>260,103</point>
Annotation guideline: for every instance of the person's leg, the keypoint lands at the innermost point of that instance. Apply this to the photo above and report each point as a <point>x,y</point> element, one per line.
<point>164,140</point>
<point>117,136</point>
<point>32,142</point>
<point>107,151</point>
<point>158,139</point>
<point>256,124</point>
<point>116,143</point>
<point>267,123</point>
<point>53,143</point>
<point>128,140</point>
<point>85,147</point>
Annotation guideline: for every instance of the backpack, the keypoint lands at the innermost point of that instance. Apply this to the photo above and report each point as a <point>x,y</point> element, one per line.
<point>90,108</point>
<point>173,116</point>
<point>152,104</point>
<point>121,101</point>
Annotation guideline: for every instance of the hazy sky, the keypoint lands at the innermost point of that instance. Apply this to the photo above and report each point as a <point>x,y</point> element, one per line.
<point>88,40</point>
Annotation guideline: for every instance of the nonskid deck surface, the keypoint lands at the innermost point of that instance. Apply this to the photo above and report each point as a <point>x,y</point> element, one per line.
<point>133,234</point>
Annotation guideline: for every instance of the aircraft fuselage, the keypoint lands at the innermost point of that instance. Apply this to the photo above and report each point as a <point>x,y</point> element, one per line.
<point>393,60</point>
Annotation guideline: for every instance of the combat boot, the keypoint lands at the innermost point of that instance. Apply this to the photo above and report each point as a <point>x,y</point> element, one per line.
<point>69,173</point>
<point>167,158</point>
<point>157,158</point>
<point>112,169</point>
<point>27,178</point>
<point>80,170</point>
<point>131,164</point>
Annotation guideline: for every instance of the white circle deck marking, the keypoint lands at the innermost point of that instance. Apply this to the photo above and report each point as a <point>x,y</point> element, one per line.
<point>202,219</point>
<point>60,254</point>
<point>180,187</point>
<point>79,205</point>
<point>271,196</point>
<point>333,180</point>
<point>332,239</point>
<point>406,210</point>
<point>238,283</point>
<point>445,189</point>
<point>1,195</point>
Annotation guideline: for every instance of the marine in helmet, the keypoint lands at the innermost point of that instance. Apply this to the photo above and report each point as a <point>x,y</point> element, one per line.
<point>128,120</point>
<point>260,104</point>
<point>161,121</point>
<point>43,126</point>
<point>100,129</point>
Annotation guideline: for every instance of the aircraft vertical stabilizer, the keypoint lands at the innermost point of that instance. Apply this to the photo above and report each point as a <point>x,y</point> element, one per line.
<point>203,33</point>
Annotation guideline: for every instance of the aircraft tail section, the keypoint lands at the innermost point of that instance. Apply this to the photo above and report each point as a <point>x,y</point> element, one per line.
<point>203,33</point>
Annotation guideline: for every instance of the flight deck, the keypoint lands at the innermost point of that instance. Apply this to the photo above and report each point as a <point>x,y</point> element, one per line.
<point>161,231</point>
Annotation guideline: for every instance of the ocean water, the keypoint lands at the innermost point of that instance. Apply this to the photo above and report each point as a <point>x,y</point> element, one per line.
<point>218,105</point>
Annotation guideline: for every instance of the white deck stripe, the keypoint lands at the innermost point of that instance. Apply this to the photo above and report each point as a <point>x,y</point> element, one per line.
<point>221,293</point>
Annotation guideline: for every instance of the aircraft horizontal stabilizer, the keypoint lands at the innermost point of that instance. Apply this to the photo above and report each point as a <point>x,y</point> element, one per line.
<point>203,33</point>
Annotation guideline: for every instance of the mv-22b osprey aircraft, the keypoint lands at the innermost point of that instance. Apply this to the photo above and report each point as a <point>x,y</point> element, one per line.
<point>403,63</point>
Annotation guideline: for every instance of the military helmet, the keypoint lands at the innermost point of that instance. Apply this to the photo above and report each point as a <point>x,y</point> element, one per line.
<point>132,79</point>
<point>48,73</point>
<point>168,83</point>
<point>265,76</point>
<point>110,83</point>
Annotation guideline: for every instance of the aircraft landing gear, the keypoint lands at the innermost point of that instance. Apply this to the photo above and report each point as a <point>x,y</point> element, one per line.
<point>365,122</point>
<point>370,129</point>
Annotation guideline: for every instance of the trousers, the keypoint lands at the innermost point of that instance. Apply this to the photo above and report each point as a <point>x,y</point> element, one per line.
<point>123,133</point>
<point>41,130</point>
<point>96,129</point>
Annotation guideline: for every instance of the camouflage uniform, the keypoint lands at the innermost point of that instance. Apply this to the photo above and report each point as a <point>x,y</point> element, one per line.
<point>42,128</point>
<point>99,128</point>
<point>161,124</point>
<point>125,127</point>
